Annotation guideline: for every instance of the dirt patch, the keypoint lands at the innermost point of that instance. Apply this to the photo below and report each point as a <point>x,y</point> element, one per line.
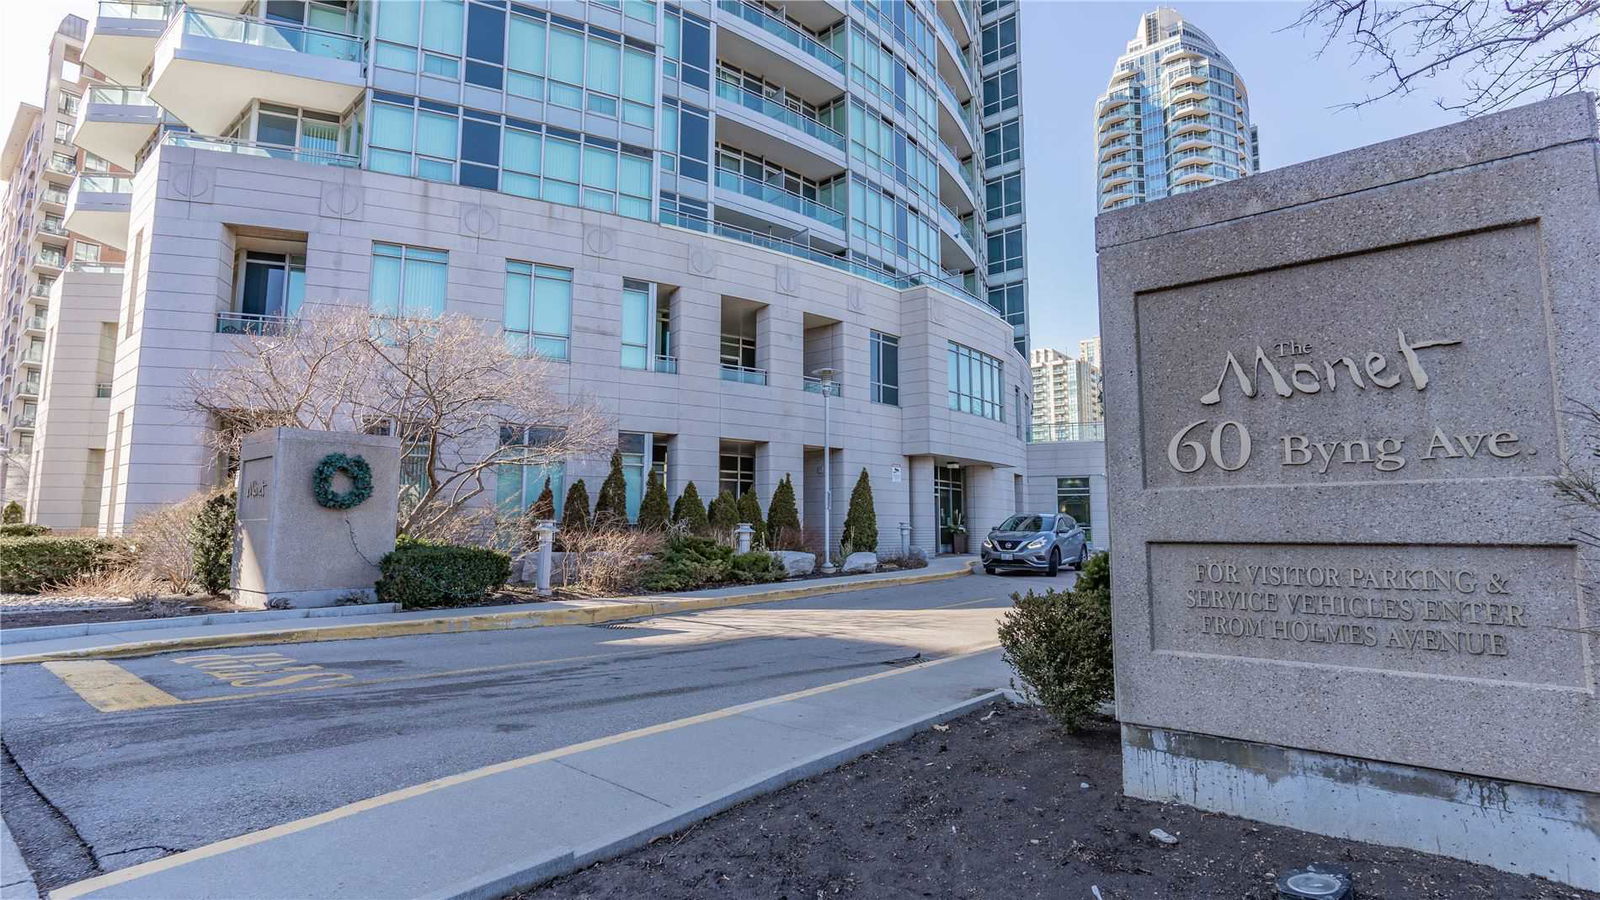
<point>39,612</point>
<point>1005,806</point>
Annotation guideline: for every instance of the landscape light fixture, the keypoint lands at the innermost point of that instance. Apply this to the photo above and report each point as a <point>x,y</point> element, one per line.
<point>1318,881</point>
<point>825,378</point>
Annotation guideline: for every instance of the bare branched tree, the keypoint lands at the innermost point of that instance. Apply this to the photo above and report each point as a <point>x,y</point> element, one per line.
<point>1578,483</point>
<point>1506,49</point>
<point>461,401</point>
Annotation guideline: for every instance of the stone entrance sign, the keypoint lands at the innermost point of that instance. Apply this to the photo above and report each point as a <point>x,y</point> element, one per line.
<point>1346,597</point>
<point>293,549</point>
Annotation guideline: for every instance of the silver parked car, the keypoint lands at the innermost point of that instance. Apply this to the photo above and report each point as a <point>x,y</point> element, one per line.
<point>1038,542</point>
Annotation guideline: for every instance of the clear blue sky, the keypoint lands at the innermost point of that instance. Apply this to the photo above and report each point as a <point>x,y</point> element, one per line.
<point>1068,49</point>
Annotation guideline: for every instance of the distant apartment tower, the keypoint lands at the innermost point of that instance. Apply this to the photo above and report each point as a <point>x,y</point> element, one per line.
<point>58,286</point>
<point>1174,118</point>
<point>1066,396</point>
<point>1089,351</point>
<point>692,207</point>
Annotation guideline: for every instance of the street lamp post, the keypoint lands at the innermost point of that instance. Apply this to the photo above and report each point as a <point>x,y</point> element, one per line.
<point>825,376</point>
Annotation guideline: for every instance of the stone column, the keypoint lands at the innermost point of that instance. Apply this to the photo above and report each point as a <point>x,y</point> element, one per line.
<point>924,510</point>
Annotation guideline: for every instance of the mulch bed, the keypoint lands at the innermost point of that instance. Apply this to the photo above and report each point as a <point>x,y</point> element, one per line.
<point>1005,806</point>
<point>38,610</point>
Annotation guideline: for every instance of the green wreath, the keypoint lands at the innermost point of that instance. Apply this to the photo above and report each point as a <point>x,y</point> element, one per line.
<point>355,468</point>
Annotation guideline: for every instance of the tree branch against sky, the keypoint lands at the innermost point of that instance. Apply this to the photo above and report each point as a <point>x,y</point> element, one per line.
<point>1505,51</point>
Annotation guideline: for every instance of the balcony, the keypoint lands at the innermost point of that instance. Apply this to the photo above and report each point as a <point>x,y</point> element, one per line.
<point>251,148</point>
<point>39,291</point>
<point>28,388</point>
<point>957,241</point>
<point>97,268</point>
<point>756,132</point>
<point>1067,431</point>
<point>53,196</point>
<point>116,122</point>
<point>34,323</point>
<point>56,166</point>
<point>776,196</point>
<point>762,18</point>
<point>756,40</point>
<point>813,385</point>
<point>98,208</point>
<point>209,66</point>
<point>250,323</point>
<point>666,365</point>
<point>743,374</point>
<point>55,228</point>
<point>956,126</point>
<point>26,420</point>
<point>50,260</point>
<point>124,37</point>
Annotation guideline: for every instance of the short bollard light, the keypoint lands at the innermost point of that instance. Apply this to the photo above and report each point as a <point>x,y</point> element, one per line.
<point>742,535</point>
<point>905,538</point>
<point>546,531</point>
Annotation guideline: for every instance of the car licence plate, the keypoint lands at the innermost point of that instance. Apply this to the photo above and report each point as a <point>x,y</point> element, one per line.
<point>1008,556</point>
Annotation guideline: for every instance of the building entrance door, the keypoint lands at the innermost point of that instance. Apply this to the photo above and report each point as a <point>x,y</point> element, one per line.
<point>949,493</point>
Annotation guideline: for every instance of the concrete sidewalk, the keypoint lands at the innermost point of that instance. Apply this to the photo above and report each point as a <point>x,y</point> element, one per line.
<point>483,833</point>
<point>142,641</point>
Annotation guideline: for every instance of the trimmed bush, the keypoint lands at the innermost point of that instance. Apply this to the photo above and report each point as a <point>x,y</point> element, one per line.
<point>28,565</point>
<point>750,511</point>
<point>20,530</point>
<point>611,506</point>
<point>690,562</point>
<point>419,575</point>
<point>13,514</point>
<point>724,516</point>
<point>756,567</point>
<point>1059,644</point>
<point>689,512</point>
<point>211,543</point>
<point>783,518</point>
<point>861,522</point>
<point>1095,575</point>
<point>575,512</point>
<point>655,511</point>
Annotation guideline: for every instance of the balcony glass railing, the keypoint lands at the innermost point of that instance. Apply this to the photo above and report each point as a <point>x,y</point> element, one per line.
<point>120,9</point>
<point>61,166</point>
<point>760,190</point>
<point>813,385</point>
<point>953,286</point>
<point>276,35</point>
<point>775,110</point>
<point>250,323</point>
<point>26,420</point>
<point>1067,431</point>
<point>54,195</point>
<point>55,228</point>
<point>743,374</point>
<point>53,260</point>
<point>97,268</point>
<point>774,25</point>
<point>961,58</point>
<point>251,148</point>
<point>35,323</point>
<point>39,290</point>
<point>33,356</point>
<point>28,389</point>
<point>103,184</point>
<point>666,365</point>
<point>119,96</point>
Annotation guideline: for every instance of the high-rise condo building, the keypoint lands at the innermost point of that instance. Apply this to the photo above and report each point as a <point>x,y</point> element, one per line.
<point>1174,118</point>
<point>59,278</point>
<point>1089,351</point>
<point>1066,397</point>
<point>691,207</point>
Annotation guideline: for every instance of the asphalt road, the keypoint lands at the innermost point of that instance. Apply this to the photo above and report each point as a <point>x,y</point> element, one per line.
<point>266,735</point>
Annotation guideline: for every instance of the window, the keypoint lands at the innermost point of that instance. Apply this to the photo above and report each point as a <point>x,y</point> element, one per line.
<point>64,132</point>
<point>518,485</point>
<point>408,281</point>
<point>1003,196</point>
<point>974,382</point>
<point>1000,92</point>
<point>641,453</point>
<point>415,448</point>
<point>1072,498</point>
<point>71,71</point>
<point>93,163</point>
<point>736,473</point>
<point>83,251</point>
<point>885,368</point>
<point>999,40</point>
<point>686,48</point>
<point>270,284</point>
<point>67,104</point>
<point>290,126</point>
<point>538,315</point>
<point>1005,250</point>
<point>420,142</point>
<point>637,298</point>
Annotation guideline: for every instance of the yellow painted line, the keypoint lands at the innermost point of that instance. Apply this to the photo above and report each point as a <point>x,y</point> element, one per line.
<point>964,603</point>
<point>122,876</point>
<point>533,618</point>
<point>109,687</point>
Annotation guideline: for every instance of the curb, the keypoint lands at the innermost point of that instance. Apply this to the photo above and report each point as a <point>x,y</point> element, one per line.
<point>523,876</point>
<point>534,618</point>
<point>30,633</point>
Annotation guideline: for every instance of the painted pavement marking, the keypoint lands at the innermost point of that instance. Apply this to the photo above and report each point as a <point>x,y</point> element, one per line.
<point>109,687</point>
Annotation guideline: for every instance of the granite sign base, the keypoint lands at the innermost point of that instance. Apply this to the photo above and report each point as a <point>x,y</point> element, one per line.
<point>1522,828</point>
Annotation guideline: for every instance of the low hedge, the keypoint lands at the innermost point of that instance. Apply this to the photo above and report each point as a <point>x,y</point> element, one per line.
<point>30,564</point>
<point>695,562</point>
<point>19,530</point>
<point>419,575</point>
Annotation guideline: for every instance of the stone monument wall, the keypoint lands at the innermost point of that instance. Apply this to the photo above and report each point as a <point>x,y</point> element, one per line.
<point>1346,596</point>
